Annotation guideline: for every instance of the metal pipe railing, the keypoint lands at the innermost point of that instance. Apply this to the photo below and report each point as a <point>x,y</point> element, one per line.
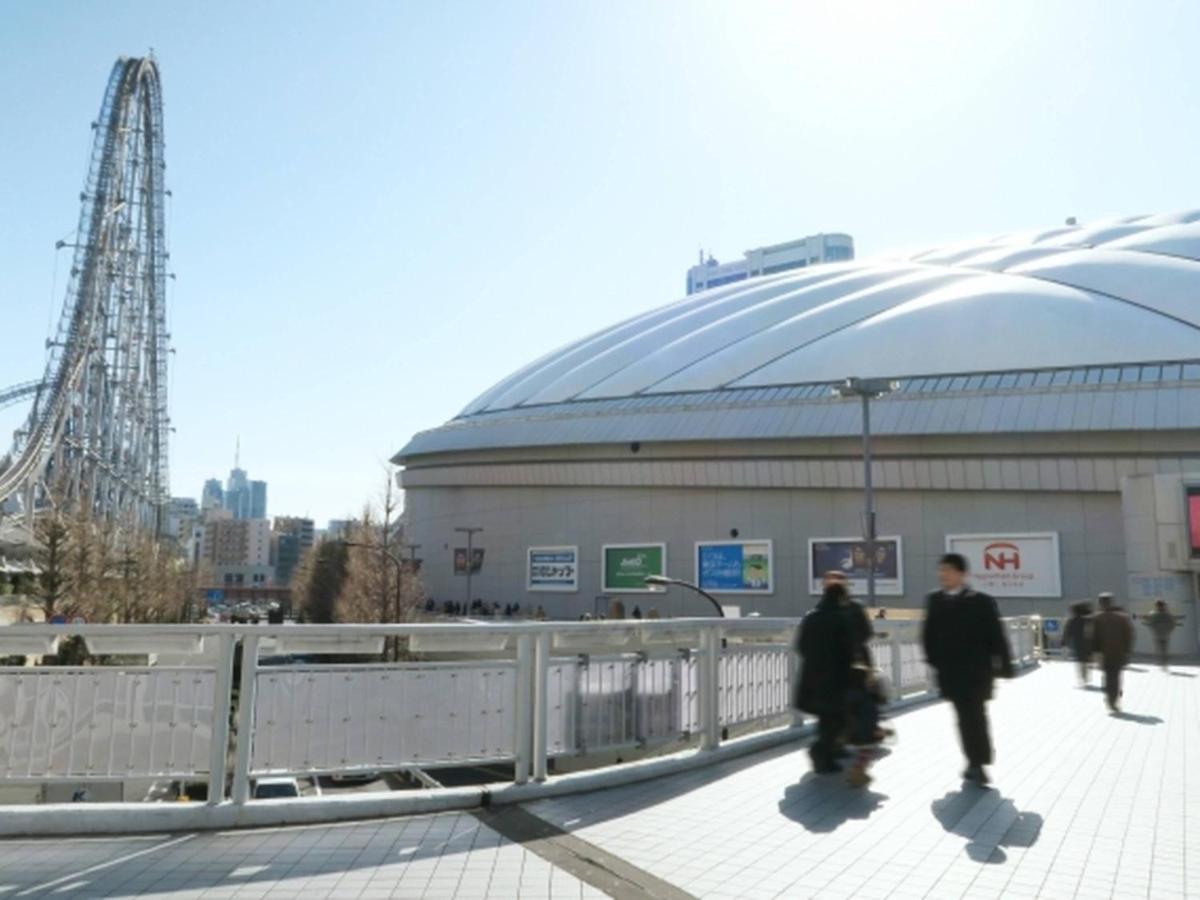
<point>488,699</point>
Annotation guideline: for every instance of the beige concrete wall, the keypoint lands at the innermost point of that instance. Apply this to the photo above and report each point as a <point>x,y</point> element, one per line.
<point>1089,525</point>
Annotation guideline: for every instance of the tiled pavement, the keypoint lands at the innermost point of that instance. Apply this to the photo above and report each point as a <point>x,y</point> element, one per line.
<point>1085,806</point>
<point>443,857</point>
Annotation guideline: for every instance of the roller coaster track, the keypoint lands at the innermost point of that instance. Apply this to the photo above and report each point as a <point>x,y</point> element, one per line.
<point>96,434</point>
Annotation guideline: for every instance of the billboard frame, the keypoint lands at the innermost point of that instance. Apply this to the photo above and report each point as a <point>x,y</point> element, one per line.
<point>632,545</point>
<point>814,578</point>
<point>1002,535</point>
<point>531,588</point>
<point>738,542</point>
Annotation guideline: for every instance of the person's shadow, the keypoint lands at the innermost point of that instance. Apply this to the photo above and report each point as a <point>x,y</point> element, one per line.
<point>823,803</point>
<point>1134,717</point>
<point>988,821</point>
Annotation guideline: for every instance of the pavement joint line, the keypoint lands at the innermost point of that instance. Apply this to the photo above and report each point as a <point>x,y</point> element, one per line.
<point>99,867</point>
<point>589,863</point>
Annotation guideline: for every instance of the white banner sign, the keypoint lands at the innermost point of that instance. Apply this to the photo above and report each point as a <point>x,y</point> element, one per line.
<point>552,569</point>
<point>1011,565</point>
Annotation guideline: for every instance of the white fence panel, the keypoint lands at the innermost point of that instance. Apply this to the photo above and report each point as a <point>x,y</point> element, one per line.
<point>658,708</point>
<point>755,683</point>
<point>562,692</point>
<point>332,718</point>
<point>98,722</point>
<point>605,703</point>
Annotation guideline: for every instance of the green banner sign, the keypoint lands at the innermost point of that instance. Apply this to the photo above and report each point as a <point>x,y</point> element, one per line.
<point>627,565</point>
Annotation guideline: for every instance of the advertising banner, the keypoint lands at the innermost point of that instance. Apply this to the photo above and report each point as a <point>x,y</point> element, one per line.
<point>1011,564</point>
<point>627,565</point>
<point>849,556</point>
<point>460,560</point>
<point>552,569</point>
<point>734,567</point>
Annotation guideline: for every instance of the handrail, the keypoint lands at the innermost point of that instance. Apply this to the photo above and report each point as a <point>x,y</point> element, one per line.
<point>517,702</point>
<point>515,626</point>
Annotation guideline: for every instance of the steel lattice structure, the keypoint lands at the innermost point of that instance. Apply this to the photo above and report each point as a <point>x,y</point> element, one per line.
<point>96,435</point>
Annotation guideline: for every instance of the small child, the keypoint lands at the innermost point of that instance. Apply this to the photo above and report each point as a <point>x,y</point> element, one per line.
<point>868,693</point>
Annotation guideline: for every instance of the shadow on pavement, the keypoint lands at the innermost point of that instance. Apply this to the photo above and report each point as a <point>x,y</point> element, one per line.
<point>1183,674</point>
<point>1134,717</point>
<point>823,803</point>
<point>988,821</point>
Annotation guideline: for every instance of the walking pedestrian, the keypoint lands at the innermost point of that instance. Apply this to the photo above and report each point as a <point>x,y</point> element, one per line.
<point>1112,637</point>
<point>1161,623</point>
<point>1077,638</point>
<point>966,647</point>
<point>825,644</point>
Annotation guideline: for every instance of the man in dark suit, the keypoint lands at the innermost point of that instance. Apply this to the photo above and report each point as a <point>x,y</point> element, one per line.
<point>966,646</point>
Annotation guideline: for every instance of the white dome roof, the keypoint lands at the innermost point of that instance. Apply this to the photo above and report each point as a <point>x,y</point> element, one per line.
<point>1122,291</point>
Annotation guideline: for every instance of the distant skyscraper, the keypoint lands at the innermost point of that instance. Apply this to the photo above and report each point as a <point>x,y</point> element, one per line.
<point>213,495</point>
<point>244,498</point>
<point>237,493</point>
<point>258,500</point>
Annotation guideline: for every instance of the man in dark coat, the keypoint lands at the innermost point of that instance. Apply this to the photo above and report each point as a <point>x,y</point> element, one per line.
<point>966,646</point>
<point>1112,638</point>
<point>825,644</point>
<point>1077,638</point>
<point>861,631</point>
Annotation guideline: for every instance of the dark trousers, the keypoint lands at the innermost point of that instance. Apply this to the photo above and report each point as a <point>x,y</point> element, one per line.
<point>973,729</point>
<point>1112,681</point>
<point>830,726</point>
<point>1161,645</point>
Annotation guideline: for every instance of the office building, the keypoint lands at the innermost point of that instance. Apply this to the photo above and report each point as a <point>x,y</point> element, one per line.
<point>292,537</point>
<point>181,512</point>
<point>229,541</point>
<point>771,260</point>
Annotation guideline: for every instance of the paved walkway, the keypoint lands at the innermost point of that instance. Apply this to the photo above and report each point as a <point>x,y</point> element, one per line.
<point>1085,806</point>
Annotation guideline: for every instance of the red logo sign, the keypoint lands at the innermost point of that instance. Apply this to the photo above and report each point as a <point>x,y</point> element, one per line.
<point>1002,555</point>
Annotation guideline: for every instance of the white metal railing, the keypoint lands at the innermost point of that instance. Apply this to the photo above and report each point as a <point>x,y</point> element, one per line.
<point>519,693</point>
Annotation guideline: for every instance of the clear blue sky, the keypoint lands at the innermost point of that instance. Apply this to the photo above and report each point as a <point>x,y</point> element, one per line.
<point>380,209</point>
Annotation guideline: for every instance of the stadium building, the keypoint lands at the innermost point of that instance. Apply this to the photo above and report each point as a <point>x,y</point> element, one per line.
<point>1045,420</point>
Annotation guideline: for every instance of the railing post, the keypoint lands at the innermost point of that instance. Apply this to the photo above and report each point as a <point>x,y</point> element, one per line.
<point>245,737</point>
<point>218,758</point>
<point>541,666</point>
<point>710,686</point>
<point>524,694</point>
<point>897,664</point>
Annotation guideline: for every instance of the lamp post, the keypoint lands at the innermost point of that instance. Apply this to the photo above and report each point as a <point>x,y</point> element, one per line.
<point>867,389</point>
<point>470,532</point>
<point>663,581</point>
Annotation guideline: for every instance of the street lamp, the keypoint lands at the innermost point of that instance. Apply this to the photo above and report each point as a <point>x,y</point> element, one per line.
<point>867,389</point>
<point>663,581</point>
<point>470,533</point>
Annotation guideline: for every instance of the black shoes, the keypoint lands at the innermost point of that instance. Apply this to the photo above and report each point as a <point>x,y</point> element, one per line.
<point>825,766</point>
<point>976,775</point>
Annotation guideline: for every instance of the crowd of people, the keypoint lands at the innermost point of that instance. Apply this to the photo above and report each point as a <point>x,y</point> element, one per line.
<point>479,609</point>
<point>1108,635</point>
